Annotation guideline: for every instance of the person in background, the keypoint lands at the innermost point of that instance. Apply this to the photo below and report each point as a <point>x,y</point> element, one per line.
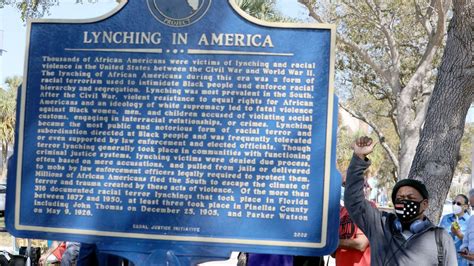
<point>70,254</point>
<point>353,246</point>
<point>382,198</point>
<point>456,223</point>
<point>467,247</point>
<point>54,253</point>
<point>90,255</point>
<point>471,198</point>
<point>373,191</point>
<point>61,253</point>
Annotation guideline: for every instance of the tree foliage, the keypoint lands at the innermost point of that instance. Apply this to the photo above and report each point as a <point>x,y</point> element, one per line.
<point>30,8</point>
<point>262,9</point>
<point>388,53</point>
<point>462,175</point>
<point>388,57</point>
<point>8,117</point>
<point>37,8</point>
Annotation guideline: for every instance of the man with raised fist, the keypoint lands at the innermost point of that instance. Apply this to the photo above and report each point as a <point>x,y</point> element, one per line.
<point>406,237</point>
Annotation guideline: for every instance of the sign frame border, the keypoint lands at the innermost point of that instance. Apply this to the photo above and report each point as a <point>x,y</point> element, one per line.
<point>215,240</point>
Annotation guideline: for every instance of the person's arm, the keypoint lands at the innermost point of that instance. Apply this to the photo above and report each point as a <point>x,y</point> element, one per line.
<point>44,257</point>
<point>360,242</point>
<point>468,256</point>
<point>365,216</point>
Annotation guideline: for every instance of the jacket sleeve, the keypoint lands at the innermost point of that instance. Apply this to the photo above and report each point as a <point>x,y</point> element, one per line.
<point>449,250</point>
<point>367,217</point>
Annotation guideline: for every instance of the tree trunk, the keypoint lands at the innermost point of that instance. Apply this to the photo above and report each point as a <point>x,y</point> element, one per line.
<point>407,152</point>
<point>438,150</point>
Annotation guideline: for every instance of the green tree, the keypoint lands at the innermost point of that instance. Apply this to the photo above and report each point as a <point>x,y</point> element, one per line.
<point>8,117</point>
<point>388,51</point>
<point>261,9</point>
<point>462,175</point>
<point>375,109</point>
<point>30,8</point>
<point>388,56</point>
<point>37,8</point>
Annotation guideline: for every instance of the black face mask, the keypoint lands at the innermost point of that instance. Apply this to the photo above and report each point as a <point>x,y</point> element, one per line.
<point>407,210</point>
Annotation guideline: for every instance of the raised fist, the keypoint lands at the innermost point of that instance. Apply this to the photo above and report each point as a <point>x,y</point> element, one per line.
<point>363,146</point>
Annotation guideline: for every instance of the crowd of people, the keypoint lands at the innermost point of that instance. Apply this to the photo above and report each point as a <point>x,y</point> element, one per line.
<point>407,237</point>
<point>367,236</point>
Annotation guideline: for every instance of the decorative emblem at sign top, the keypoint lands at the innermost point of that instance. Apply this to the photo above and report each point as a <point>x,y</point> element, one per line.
<point>178,13</point>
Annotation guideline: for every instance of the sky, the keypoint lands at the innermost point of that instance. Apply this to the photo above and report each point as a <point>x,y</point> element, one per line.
<point>14,30</point>
<point>291,9</point>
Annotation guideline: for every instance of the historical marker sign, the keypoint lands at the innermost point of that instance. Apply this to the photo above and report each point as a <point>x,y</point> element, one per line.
<point>178,123</point>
